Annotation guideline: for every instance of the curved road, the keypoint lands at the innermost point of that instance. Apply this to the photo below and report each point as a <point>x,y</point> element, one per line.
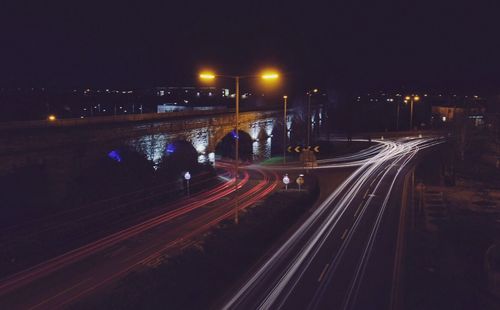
<point>342,255</point>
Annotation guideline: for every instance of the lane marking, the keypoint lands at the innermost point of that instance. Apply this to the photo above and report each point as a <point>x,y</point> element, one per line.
<point>357,210</point>
<point>323,272</point>
<point>344,234</point>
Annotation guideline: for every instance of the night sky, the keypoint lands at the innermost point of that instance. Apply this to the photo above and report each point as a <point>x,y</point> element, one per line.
<point>342,44</point>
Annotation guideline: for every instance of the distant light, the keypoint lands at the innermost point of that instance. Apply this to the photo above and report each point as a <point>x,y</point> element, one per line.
<point>285,97</point>
<point>187,176</point>
<point>444,118</point>
<point>416,98</point>
<point>52,118</point>
<point>315,90</point>
<point>407,98</point>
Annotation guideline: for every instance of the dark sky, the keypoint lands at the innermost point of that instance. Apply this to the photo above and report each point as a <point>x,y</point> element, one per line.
<point>369,44</point>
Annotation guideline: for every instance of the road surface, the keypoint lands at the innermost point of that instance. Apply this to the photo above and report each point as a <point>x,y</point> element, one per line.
<point>342,255</point>
<point>59,281</point>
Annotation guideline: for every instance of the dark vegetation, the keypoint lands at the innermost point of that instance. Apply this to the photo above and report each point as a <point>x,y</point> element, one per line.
<point>201,274</point>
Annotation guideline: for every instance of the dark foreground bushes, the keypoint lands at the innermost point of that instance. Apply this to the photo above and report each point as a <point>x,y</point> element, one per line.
<point>201,274</point>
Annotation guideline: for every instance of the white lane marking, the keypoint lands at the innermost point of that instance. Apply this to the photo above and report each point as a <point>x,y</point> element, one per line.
<point>344,234</point>
<point>323,272</point>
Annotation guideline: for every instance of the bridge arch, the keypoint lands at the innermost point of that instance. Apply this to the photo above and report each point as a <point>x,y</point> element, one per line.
<point>226,145</point>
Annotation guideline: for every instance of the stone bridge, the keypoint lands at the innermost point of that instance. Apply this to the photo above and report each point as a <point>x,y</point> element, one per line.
<point>65,147</point>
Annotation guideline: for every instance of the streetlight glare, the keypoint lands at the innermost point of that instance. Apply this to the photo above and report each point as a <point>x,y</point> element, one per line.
<point>417,98</point>
<point>52,118</point>
<point>407,98</point>
<point>207,76</point>
<point>270,76</point>
<point>315,90</point>
<point>285,96</point>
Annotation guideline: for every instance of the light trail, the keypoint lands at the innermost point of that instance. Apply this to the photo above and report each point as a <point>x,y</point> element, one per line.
<point>21,278</point>
<point>270,286</point>
<point>129,256</point>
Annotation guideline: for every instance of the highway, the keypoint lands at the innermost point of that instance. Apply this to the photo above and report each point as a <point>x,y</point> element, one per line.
<point>61,280</point>
<point>342,255</point>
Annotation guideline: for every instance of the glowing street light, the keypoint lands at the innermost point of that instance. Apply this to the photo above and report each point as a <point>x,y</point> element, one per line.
<point>270,76</point>
<point>411,99</point>
<point>210,76</point>
<point>207,76</point>
<point>52,118</point>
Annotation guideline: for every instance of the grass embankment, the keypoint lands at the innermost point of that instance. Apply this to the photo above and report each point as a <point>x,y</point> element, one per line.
<point>200,274</point>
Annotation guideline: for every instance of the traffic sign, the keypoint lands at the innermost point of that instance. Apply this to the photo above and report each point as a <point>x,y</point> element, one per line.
<point>300,148</point>
<point>286,180</point>
<point>300,180</point>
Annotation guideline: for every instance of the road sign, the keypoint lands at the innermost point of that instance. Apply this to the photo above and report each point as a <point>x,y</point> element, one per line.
<point>187,176</point>
<point>300,181</point>
<point>286,180</point>
<point>299,148</point>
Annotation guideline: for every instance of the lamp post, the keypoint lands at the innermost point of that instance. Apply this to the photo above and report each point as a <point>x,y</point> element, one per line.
<point>285,97</point>
<point>411,99</point>
<point>309,94</point>
<point>208,76</point>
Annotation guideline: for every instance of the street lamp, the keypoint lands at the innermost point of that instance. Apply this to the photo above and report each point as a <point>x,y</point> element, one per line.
<point>411,99</point>
<point>285,97</point>
<point>309,94</point>
<point>210,76</point>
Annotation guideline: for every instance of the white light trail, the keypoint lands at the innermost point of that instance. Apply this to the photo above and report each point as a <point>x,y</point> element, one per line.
<point>302,247</point>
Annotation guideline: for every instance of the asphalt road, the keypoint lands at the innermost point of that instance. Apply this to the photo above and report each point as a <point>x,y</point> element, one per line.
<point>62,280</point>
<point>342,256</point>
